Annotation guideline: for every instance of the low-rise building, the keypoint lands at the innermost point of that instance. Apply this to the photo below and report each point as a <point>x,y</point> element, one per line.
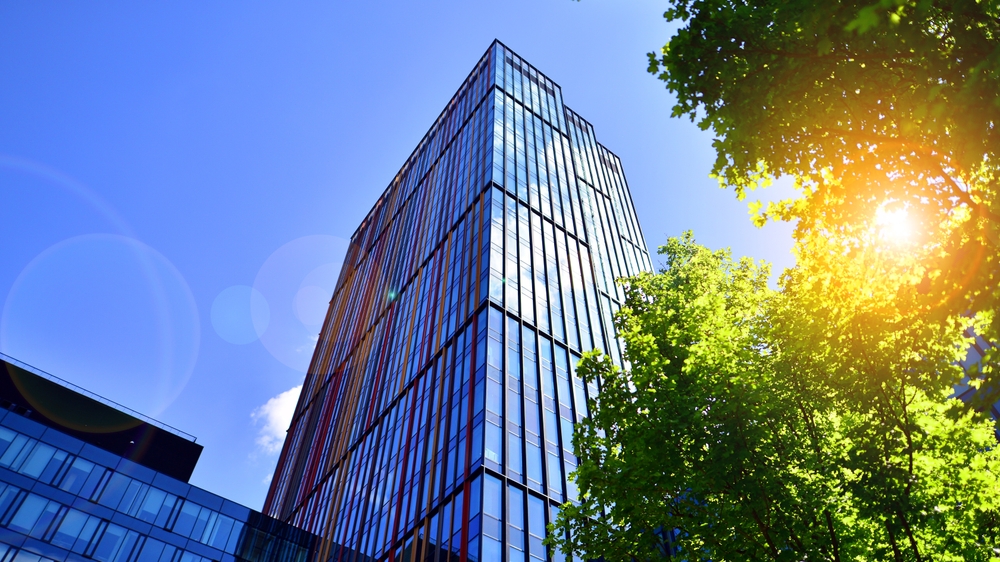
<point>82,478</point>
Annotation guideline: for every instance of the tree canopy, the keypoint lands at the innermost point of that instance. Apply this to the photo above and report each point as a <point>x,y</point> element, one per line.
<point>882,112</point>
<point>800,424</point>
<point>817,421</point>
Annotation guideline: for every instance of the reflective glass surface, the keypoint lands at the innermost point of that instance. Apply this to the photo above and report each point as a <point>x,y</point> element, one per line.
<point>61,499</point>
<point>436,419</point>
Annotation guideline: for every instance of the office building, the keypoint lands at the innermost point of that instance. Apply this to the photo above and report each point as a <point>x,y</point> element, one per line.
<point>436,417</point>
<point>84,479</point>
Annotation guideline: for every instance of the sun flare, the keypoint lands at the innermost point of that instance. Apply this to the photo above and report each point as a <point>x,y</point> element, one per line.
<point>894,226</point>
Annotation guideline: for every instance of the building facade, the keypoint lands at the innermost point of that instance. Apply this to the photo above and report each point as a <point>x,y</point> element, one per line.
<point>82,479</point>
<point>435,420</point>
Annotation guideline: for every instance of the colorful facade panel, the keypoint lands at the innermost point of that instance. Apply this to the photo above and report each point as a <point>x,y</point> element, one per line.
<point>436,418</point>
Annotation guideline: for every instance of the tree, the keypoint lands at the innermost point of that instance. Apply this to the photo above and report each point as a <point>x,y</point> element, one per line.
<point>800,424</point>
<point>877,110</point>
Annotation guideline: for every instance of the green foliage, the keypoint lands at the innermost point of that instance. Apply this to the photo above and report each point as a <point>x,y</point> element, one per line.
<point>814,422</point>
<point>810,423</point>
<point>870,106</point>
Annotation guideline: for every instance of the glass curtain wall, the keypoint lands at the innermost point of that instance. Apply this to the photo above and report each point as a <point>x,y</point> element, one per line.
<point>64,500</point>
<point>435,422</point>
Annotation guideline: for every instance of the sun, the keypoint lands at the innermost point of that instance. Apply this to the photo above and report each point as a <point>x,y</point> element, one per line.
<point>894,226</point>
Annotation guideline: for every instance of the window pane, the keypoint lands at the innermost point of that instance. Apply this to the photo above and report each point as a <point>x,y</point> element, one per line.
<point>163,516</point>
<point>45,519</point>
<point>69,529</point>
<point>92,487</point>
<point>133,495</point>
<point>220,535</point>
<point>54,467</point>
<point>76,476</point>
<point>203,527</point>
<point>28,513</point>
<point>7,497</point>
<point>109,543</point>
<point>86,534</point>
<point>186,519</point>
<point>491,550</point>
<point>114,491</point>
<point>127,546</point>
<point>151,505</point>
<point>37,460</point>
<point>492,497</point>
<point>6,438</point>
<point>10,455</point>
<point>151,551</point>
<point>515,507</point>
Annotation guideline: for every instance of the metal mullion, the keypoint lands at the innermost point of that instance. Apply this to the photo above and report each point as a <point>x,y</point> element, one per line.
<point>555,182</point>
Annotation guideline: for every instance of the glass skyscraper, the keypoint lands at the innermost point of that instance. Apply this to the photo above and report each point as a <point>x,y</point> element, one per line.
<point>435,421</point>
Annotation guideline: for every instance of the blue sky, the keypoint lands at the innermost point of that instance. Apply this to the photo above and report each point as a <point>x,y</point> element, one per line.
<point>178,181</point>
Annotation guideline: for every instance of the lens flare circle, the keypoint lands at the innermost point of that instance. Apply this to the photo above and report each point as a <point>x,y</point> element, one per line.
<point>297,281</point>
<point>310,305</point>
<point>108,313</point>
<point>69,185</point>
<point>237,311</point>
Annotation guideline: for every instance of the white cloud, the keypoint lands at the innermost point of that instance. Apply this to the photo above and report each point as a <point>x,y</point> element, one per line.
<point>275,416</point>
<point>309,346</point>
